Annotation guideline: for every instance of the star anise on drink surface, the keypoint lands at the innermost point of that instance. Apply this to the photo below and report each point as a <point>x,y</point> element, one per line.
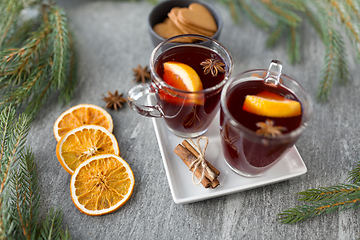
<point>141,74</point>
<point>213,66</point>
<point>114,100</point>
<point>268,129</point>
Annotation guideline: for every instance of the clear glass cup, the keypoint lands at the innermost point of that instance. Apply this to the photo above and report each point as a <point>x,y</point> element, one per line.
<point>185,113</point>
<point>247,151</point>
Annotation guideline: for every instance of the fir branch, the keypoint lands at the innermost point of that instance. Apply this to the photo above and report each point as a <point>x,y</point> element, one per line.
<point>292,4</point>
<point>275,34</point>
<point>343,73</point>
<point>329,19</point>
<point>283,14</point>
<point>44,64</point>
<point>6,125</point>
<point>27,88</point>
<point>334,57</point>
<point>15,144</point>
<point>19,193</point>
<point>11,9</point>
<point>325,200</point>
<point>253,15</point>
<point>13,133</point>
<point>70,83</point>
<point>301,213</point>
<point>26,195</point>
<point>51,228</point>
<point>328,192</point>
<point>37,102</point>
<point>294,46</point>
<point>327,75</point>
<point>233,6</point>
<point>354,175</point>
<point>314,20</point>
<point>353,9</point>
<point>16,64</point>
<point>60,46</point>
<point>18,37</point>
<point>348,23</point>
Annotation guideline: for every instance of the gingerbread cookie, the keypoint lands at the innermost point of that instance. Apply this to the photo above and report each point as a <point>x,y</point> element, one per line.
<point>186,28</point>
<point>196,19</point>
<point>167,29</point>
<point>198,16</point>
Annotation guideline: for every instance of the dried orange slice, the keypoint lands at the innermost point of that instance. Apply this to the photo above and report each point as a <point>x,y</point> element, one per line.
<point>270,104</point>
<point>83,142</point>
<point>82,114</point>
<point>183,77</point>
<point>101,184</point>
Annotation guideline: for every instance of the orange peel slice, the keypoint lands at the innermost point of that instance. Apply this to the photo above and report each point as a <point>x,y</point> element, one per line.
<point>270,104</point>
<point>183,77</point>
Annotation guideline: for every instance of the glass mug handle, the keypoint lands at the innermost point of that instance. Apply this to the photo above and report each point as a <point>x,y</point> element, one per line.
<point>273,73</point>
<point>139,95</point>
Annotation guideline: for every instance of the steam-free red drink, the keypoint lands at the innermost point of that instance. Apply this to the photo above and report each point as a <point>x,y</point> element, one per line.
<point>250,154</point>
<point>190,112</point>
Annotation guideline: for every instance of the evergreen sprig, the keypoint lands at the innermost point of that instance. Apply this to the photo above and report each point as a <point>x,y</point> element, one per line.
<point>19,193</point>
<point>52,227</point>
<point>301,213</point>
<point>330,19</point>
<point>354,175</point>
<point>325,200</point>
<point>40,65</point>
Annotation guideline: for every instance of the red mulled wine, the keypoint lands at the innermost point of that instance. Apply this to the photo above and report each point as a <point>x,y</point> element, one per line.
<point>250,154</point>
<point>190,113</point>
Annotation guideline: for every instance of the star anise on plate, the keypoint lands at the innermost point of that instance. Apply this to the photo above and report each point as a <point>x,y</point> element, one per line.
<point>268,129</point>
<point>213,66</point>
<point>114,100</point>
<point>141,74</point>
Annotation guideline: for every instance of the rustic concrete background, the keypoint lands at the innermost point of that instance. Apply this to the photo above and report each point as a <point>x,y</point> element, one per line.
<point>111,39</point>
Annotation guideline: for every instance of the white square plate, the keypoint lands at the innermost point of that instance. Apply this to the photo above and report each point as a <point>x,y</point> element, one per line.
<point>180,178</point>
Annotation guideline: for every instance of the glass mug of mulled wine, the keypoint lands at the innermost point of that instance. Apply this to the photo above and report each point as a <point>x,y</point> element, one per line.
<point>188,73</point>
<point>262,114</point>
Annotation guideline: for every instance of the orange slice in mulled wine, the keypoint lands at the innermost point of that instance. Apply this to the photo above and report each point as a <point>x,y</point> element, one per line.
<point>270,104</point>
<point>182,77</point>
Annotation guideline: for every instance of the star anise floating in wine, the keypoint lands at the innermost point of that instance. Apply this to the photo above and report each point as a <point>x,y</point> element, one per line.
<point>114,100</point>
<point>141,74</point>
<point>213,66</point>
<point>268,129</point>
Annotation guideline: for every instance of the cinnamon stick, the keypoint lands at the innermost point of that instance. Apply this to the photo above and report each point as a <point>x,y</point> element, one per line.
<point>188,146</point>
<point>214,184</point>
<point>188,158</point>
<point>207,174</point>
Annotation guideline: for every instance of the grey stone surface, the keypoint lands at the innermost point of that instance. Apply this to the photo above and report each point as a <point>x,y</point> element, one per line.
<point>111,39</point>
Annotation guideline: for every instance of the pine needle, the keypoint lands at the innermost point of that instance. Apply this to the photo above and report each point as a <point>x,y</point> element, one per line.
<point>275,34</point>
<point>11,9</point>
<point>301,213</point>
<point>19,193</point>
<point>253,15</point>
<point>283,14</point>
<point>51,228</point>
<point>328,18</point>
<point>323,193</point>
<point>294,46</point>
<point>43,64</point>
<point>354,175</point>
